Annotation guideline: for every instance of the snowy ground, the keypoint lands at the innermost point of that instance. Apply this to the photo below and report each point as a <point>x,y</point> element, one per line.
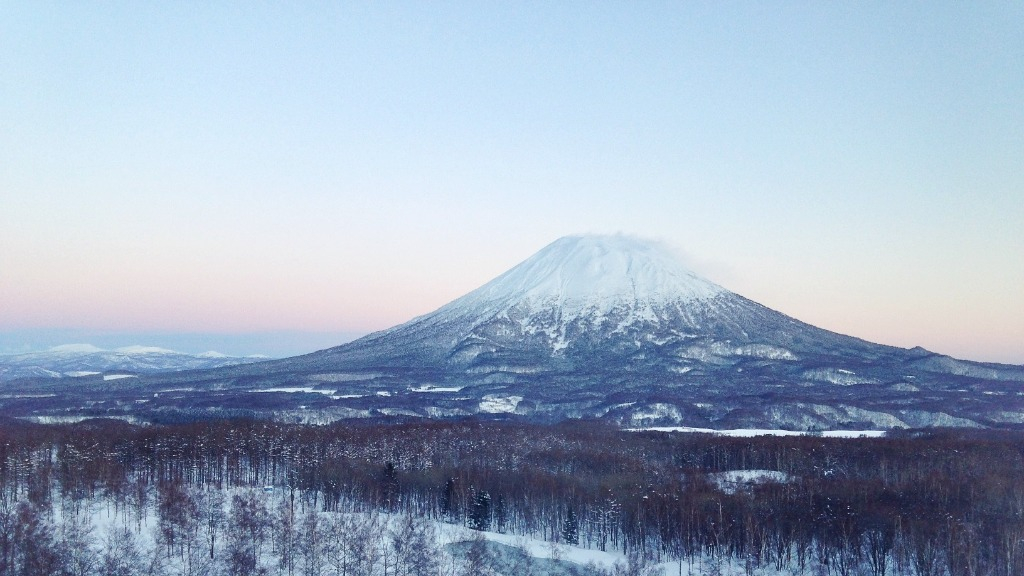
<point>753,432</point>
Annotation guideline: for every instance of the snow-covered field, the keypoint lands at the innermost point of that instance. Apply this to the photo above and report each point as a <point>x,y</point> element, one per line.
<point>754,432</point>
<point>497,403</point>
<point>734,481</point>
<point>298,389</point>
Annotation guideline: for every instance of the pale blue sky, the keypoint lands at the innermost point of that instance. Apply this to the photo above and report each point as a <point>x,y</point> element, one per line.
<point>338,168</point>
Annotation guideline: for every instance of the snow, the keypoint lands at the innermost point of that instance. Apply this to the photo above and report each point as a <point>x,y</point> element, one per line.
<point>80,418</point>
<point>854,433</point>
<point>599,269</point>
<point>298,389</point>
<point>345,376</point>
<point>734,481</point>
<point>212,354</point>
<point>588,279</point>
<point>118,376</point>
<point>1014,417</point>
<point>5,396</point>
<point>496,403</point>
<point>922,418</point>
<point>656,411</point>
<point>451,533</point>
<point>429,388</point>
<point>80,373</point>
<point>753,432</point>
<point>837,376</point>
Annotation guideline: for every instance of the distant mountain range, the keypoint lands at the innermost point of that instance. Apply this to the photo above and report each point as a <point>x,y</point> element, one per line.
<point>78,360</point>
<point>607,327</point>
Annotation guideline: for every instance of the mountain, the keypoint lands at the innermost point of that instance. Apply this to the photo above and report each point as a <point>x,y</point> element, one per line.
<point>596,303</point>
<point>608,327</point>
<point>78,360</point>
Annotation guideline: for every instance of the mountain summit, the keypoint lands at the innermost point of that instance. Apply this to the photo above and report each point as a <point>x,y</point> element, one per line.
<point>583,282</point>
<point>608,327</point>
<point>592,276</point>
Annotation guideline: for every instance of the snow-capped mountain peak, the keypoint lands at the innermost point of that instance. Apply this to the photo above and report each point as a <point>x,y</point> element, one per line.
<point>601,268</point>
<point>593,275</point>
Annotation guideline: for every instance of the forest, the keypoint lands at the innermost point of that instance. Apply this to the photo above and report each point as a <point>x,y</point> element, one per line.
<point>372,498</point>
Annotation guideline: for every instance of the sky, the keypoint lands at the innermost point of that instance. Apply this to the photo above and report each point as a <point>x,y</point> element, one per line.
<point>261,178</point>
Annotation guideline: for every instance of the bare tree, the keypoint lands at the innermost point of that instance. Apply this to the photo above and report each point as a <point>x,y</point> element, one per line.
<point>77,542</point>
<point>286,535</point>
<point>179,520</point>
<point>120,555</point>
<point>353,545</point>
<point>414,542</point>
<point>247,533</point>
<point>213,517</point>
<point>365,546</point>
<point>8,527</point>
<point>312,543</point>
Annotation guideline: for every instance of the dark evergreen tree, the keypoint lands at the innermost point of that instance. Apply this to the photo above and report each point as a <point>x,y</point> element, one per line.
<point>449,501</point>
<point>389,486</point>
<point>570,527</point>
<point>500,514</point>
<point>480,514</point>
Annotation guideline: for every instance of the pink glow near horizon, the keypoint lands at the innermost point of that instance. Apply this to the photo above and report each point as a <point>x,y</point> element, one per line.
<point>277,299</point>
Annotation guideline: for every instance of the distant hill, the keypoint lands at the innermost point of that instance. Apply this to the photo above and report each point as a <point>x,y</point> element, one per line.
<point>78,360</point>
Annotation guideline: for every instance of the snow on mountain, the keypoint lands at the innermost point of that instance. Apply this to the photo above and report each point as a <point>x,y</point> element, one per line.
<point>591,276</point>
<point>601,282</point>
